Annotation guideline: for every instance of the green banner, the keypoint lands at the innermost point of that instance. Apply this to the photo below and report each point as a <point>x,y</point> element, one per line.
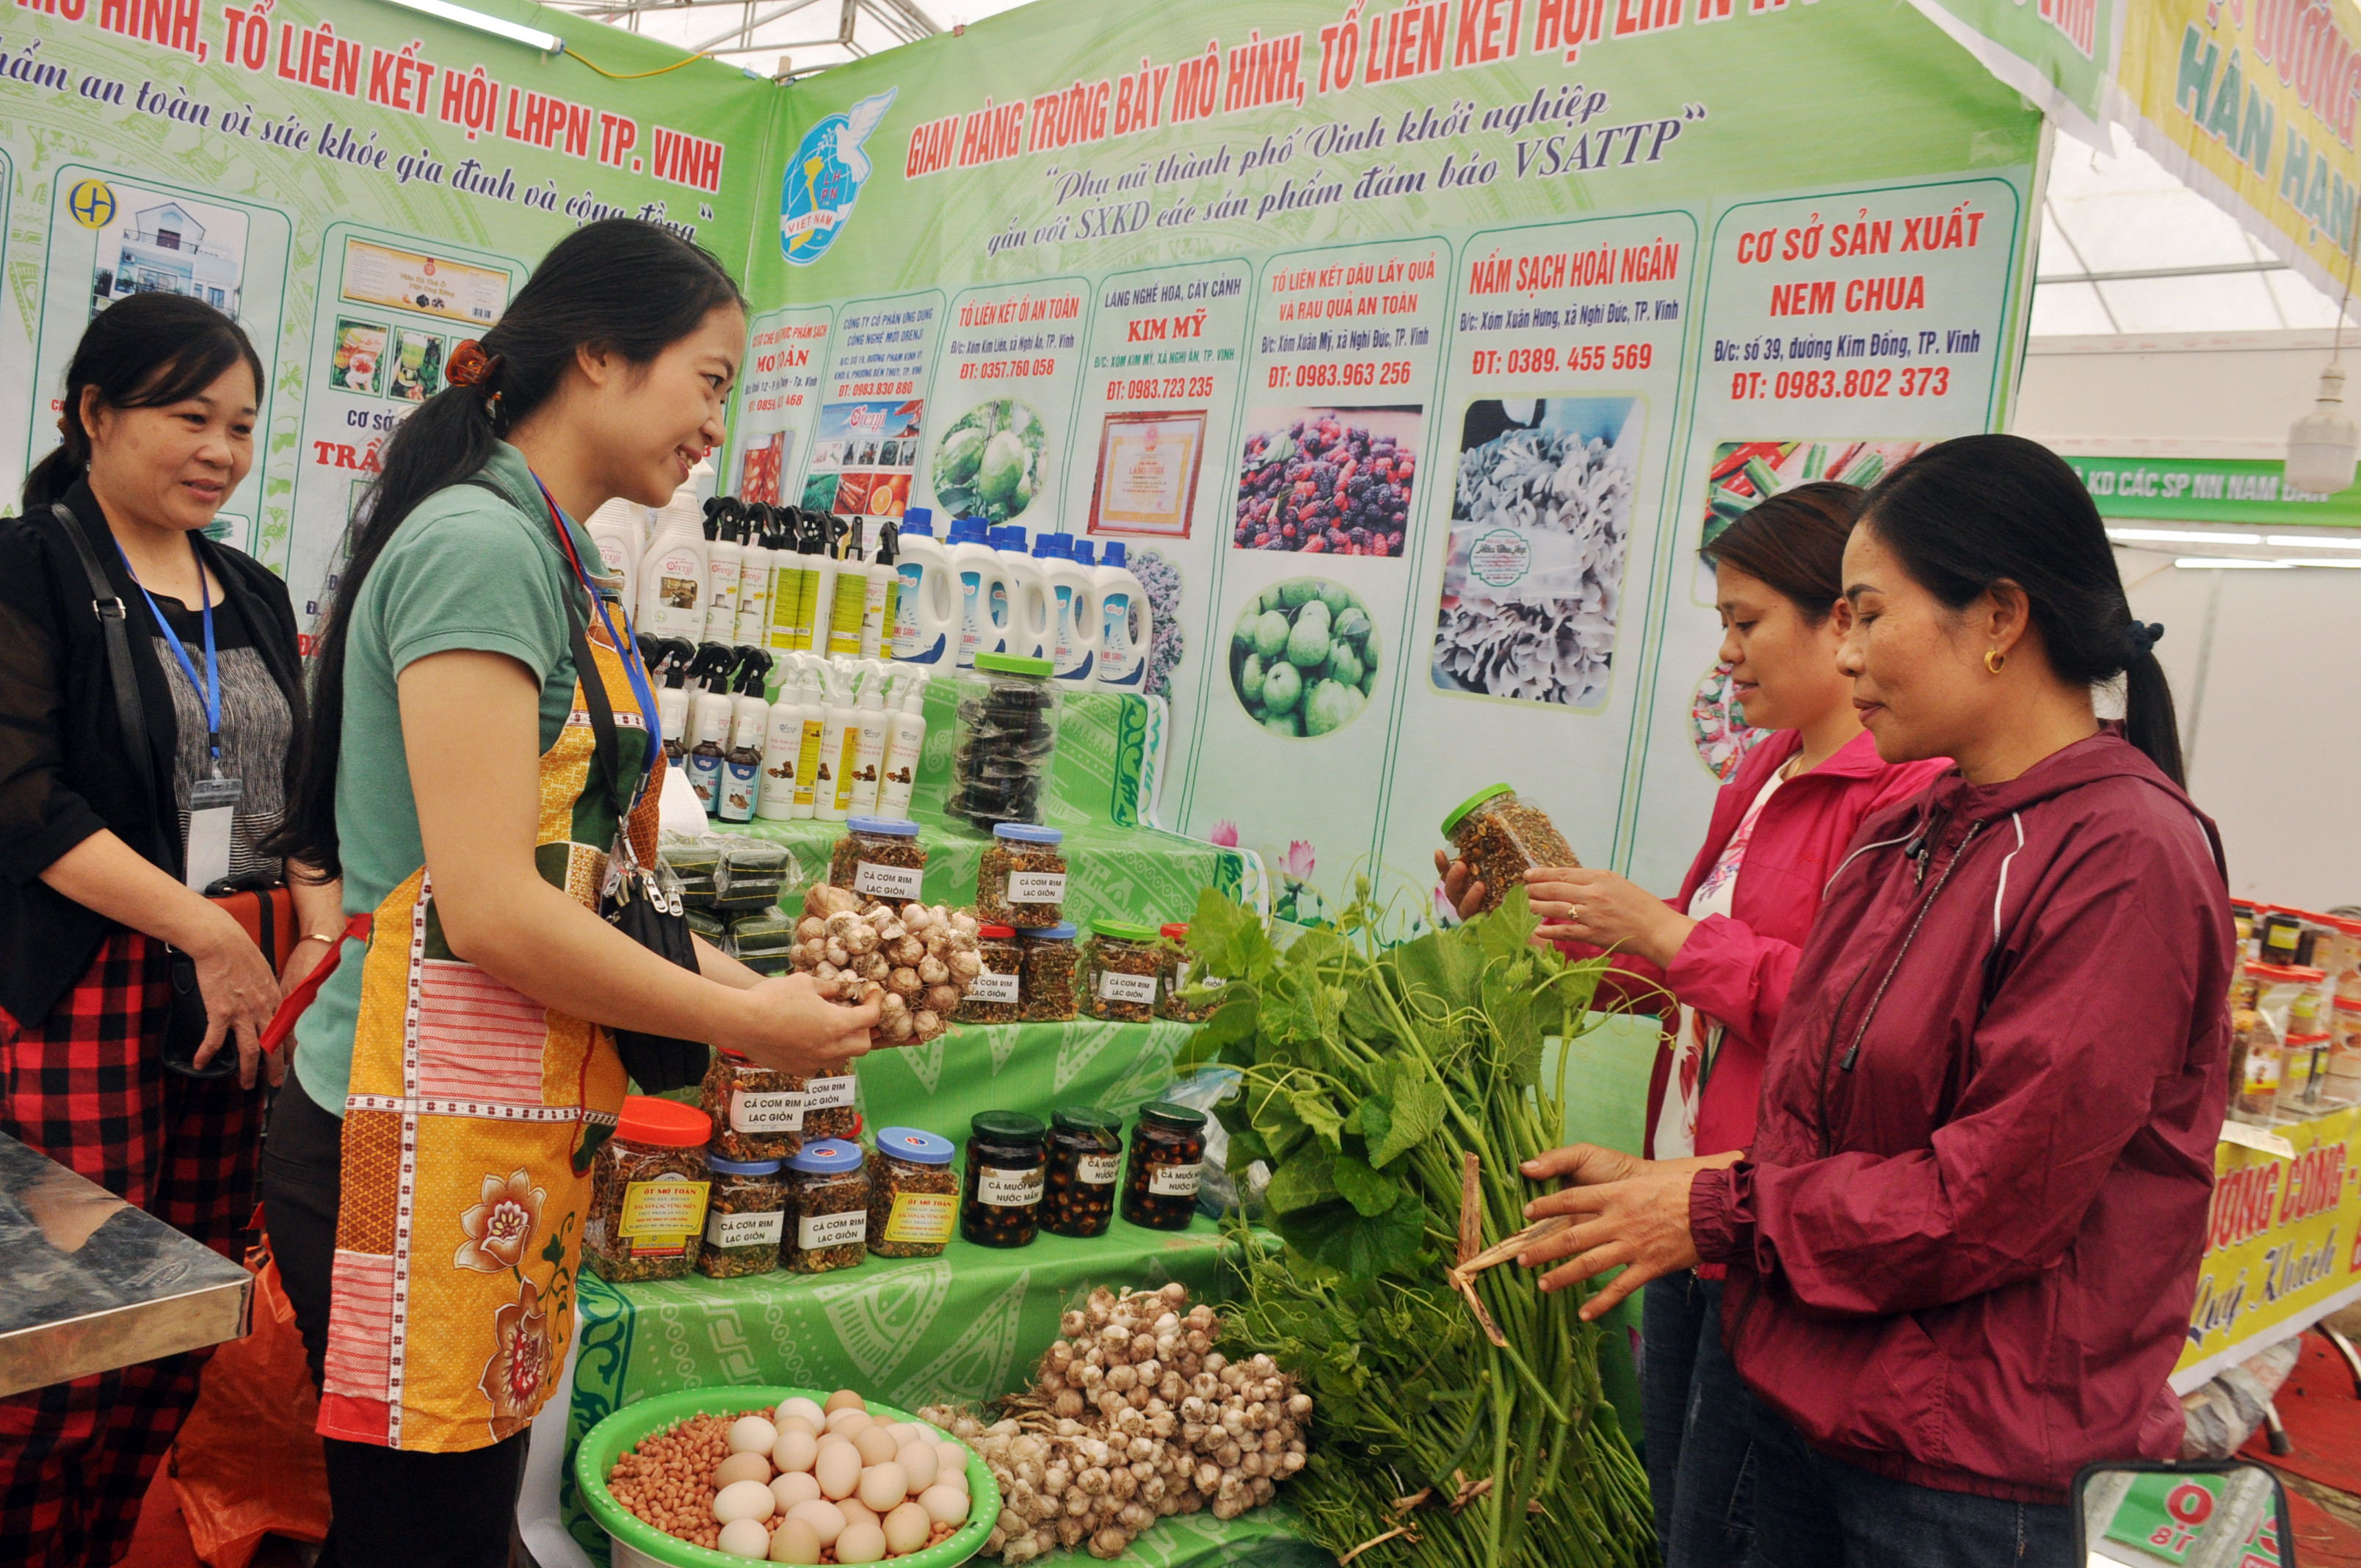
<point>2210,489</point>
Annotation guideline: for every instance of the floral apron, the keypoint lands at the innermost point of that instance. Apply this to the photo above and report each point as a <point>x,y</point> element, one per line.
<point>468,1130</point>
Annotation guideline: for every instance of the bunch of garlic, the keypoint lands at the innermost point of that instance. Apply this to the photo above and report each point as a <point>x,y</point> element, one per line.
<point>1132,1416</point>
<point>915,961</point>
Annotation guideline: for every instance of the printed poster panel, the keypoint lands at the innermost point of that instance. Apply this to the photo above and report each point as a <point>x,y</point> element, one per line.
<point>778,404</point>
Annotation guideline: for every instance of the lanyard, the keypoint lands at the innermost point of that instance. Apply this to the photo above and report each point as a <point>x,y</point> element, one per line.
<point>625,648</point>
<point>209,689</point>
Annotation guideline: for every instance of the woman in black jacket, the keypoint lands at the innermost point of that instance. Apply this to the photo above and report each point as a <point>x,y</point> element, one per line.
<point>106,839</point>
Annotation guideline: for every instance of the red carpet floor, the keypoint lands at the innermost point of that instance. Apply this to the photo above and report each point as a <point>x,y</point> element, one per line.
<point>2322,1416</point>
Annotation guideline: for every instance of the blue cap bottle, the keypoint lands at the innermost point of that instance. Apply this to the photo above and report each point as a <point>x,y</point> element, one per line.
<point>1082,552</point>
<point>919,521</point>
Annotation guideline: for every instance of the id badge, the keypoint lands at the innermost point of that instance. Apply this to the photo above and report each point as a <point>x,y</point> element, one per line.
<point>212,804</point>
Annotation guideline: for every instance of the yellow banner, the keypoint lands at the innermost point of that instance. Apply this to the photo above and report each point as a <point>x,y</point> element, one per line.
<point>2280,1244</point>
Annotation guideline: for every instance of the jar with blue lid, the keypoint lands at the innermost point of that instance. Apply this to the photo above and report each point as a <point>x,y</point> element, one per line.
<point>1022,879</point>
<point>827,1208</point>
<point>1047,990</point>
<point>745,1215</point>
<point>913,1196</point>
<point>878,857</point>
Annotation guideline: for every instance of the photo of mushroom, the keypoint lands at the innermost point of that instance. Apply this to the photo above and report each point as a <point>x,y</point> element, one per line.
<point>1532,580</point>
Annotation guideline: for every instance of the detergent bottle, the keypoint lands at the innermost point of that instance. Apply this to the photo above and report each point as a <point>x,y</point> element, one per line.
<point>924,605</point>
<point>1127,624</point>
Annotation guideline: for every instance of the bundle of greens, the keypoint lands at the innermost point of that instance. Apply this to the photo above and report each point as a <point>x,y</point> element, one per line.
<point>1370,1074</point>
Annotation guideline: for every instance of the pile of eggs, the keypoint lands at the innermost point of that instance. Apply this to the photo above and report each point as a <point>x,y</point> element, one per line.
<point>828,1483</point>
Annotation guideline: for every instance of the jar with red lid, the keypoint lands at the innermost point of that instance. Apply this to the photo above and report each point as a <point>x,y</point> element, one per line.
<point>1178,972</point>
<point>648,1187</point>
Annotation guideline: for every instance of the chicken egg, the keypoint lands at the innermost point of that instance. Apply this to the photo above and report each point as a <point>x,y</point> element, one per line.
<point>825,1519</point>
<point>855,1512</point>
<point>746,1538</point>
<point>839,1470</point>
<point>807,1408</point>
<point>794,1542</point>
<point>800,1423</point>
<point>906,1528</point>
<point>794,1486</point>
<point>744,1500</point>
<point>905,1432</point>
<point>955,1479</point>
<point>741,1467</point>
<point>876,1445</point>
<point>883,1486</point>
<point>945,1505</point>
<point>751,1434</point>
<point>848,1421</point>
<point>795,1451</point>
<point>844,1399</point>
<point>920,1463</point>
<point>860,1543</point>
<point>953,1457</point>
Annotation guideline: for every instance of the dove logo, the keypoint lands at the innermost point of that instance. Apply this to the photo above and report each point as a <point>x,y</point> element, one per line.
<point>824,178</point>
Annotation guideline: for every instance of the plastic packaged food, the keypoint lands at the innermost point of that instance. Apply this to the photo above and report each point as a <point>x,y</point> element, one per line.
<point>648,1186</point>
<point>1501,838</point>
<point>1006,734</point>
<point>828,1209</point>
<point>1176,974</point>
<point>697,863</point>
<point>1085,1164</point>
<point>999,1199</point>
<point>1047,990</point>
<point>913,1196</point>
<point>768,933</point>
<point>2343,1073</point>
<point>757,1111</point>
<point>2303,1072</point>
<point>2288,995</point>
<point>1168,1158</point>
<point>706,924</point>
<point>2253,1068</point>
<point>991,997</point>
<point>1021,879</point>
<point>754,874</point>
<point>829,1105</point>
<point>879,857</point>
<point>745,1216</point>
<point>1119,978</point>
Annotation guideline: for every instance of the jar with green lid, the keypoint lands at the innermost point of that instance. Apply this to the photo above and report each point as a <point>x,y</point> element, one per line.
<point>1046,993</point>
<point>827,1208</point>
<point>1120,971</point>
<point>1168,1154</point>
<point>999,1199</point>
<point>1085,1164</point>
<point>1179,972</point>
<point>1501,838</point>
<point>745,1215</point>
<point>1007,733</point>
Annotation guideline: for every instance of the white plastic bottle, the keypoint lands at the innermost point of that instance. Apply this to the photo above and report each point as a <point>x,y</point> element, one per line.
<point>976,570</point>
<point>783,745</point>
<point>1127,624</point>
<point>858,787</point>
<point>905,739</point>
<point>709,727</point>
<point>813,697</point>
<point>848,596</point>
<point>1026,628</point>
<point>831,793</point>
<point>1072,595</point>
<point>924,618</point>
<point>672,699</point>
<point>754,584</point>
<point>725,562</point>
<point>791,588</point>
<point>877,596</point>
<point>742,764</point>
<point>620,530</point>
<point>819,587</point>
<point>672,585</point>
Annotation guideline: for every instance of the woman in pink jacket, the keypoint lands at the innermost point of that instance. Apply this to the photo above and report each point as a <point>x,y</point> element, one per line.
<point>1721,954</point>
<point>1962,1246</point>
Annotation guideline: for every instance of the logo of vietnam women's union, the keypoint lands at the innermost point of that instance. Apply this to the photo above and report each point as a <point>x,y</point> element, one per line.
<point>824,178</point>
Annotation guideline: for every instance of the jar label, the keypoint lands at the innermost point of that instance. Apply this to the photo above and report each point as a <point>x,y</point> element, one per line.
<point>828,1093</point>
<point>772,1111</point>
<point>992,986</point>
<point>1182,974</point>
<point>1037,887</point>
<point>831,1230</point>
<point>924,1219</point>
<point>887,881</point>
<point>744,1230</point>
<point>1009,1189</point>
<point>1175,1180</point>
<point>1115,987</point>
<point>659,1216</point>
<point>1095,1170</point>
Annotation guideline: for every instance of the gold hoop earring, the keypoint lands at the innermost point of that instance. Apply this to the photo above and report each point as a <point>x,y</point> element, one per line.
<point>1995,658</point>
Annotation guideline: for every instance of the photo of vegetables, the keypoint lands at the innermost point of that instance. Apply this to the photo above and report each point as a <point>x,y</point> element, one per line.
<point>1327,481</point>
<point>1532,581</point>
<point>1304,657</point>
<point>1393,1090</point>
<point>1744,472</point>
<point>991,462</point>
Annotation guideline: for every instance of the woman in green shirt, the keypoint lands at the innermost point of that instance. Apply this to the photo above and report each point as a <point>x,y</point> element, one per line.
<point>429,1239</point>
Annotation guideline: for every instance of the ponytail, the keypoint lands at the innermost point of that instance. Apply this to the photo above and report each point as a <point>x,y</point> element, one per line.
<point>1981,509</point>
<point>618,284</point>
<point>146,352</point>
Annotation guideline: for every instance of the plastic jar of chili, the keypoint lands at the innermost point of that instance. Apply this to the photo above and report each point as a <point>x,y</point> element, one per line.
<point>1177,973</point>
<point>991,997</point>
<point>648,1186</point>
<point>1168,1152</point>
<point>913,1196</point>
<point>827,1208</point>
<point>1001,1198</point>
<point>1085,1163</point>
<point>1047,993</point>
<point>1501,838</point>
<point>1119,980</point>
<point>745,1216</point>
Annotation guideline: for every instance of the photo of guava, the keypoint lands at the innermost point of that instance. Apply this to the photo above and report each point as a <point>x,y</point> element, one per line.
<point>1303,658</point>
<point>993,461</point>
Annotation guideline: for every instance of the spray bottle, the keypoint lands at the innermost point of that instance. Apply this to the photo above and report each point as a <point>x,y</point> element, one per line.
<point>924,618</point>
<point>708,723</point>
<point>877,597</point>
<point>859,784</point>
<point>812,698</point>
<point>850,592</point>
<point>620,530</point>
<point>905,739</point>
<point>672,579</point>
<point>783,744</point>
<point>754,579</point>
<point>742,762</point>
<point>671,661</point>
<point>725,562</point>
<point>831,793</point>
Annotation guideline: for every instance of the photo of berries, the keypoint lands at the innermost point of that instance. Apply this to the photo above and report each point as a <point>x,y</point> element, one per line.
<point>1328,481</point>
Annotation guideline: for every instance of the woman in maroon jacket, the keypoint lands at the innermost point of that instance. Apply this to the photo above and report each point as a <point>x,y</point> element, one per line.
<point>1963,1245</point>
<point>1723,951</point>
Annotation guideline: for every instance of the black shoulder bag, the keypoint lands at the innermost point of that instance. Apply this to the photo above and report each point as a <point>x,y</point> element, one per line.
<point>184,1026</point>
